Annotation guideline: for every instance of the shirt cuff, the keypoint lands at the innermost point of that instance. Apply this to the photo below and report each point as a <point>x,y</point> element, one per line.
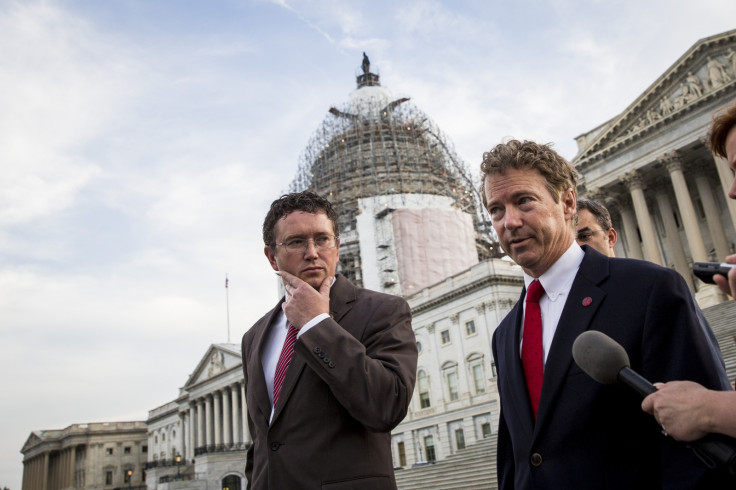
<point>314,321</point>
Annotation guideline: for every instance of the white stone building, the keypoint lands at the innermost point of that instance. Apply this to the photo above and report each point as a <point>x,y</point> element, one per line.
<point>96,456</point>
<point>205,428</point>
<point>651,167</point>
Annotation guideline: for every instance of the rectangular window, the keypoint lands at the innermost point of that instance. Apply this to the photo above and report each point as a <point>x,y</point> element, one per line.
<point>126,476</point>
<point>479,379</point>
<point>108,478</point>
<point>144,449</point>
<point>445,336</point>
<point>470,327</point>
<point>108,451</point>
<point>402,454</point>
<point>429,448</point>
<point>459,438</point>
<point>452,385</point>
<point>424,399</point>
<point>423,386</point>
<point>486,428</point>
<point>126,450</point>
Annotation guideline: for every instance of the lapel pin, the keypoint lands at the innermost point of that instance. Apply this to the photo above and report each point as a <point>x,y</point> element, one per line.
<point>587,301</point>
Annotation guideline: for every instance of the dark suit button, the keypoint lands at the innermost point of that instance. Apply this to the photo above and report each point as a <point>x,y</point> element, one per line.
<point>327,360</point>
<point>321,355</point>
<point>317,350</point>
<point>275,446</point>
<point>536,459</point>
<point>331,364</point>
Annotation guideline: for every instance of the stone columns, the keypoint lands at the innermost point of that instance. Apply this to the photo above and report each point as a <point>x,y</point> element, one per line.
<point>45,477</point>
<point>183,430</point>
<point>226,417</point>
<point>646,227</point>
<point>726,177</point>
<point>200,424</point>
<point>630,233</point>
<point>673,163</point>
<point>712,214</point>
<point>234,395</point>
<point>192,430</point>
<point>246,429</point>
<point>673,236</point>
<point>216,399</point>
<point>209,420</point>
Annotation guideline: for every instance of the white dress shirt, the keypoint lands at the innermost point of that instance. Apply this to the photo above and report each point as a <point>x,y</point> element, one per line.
<point>556,281</point>
<point>275,343</point>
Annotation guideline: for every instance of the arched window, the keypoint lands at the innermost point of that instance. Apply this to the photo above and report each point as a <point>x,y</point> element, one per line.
<point>231,482</point>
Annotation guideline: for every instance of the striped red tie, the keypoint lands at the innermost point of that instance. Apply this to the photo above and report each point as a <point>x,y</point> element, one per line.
<point>286,353</point>
<point>532,357</point>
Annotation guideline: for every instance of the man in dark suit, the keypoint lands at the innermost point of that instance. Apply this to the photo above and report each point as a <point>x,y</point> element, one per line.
<point>558,427</point>
<point>322,419</point>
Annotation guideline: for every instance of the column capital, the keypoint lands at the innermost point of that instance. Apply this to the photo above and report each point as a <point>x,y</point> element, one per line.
<point>430,328</point>
<point>480,308</point>
<point>455,318</point>
<point>634,180</point>
<point>672,161</point>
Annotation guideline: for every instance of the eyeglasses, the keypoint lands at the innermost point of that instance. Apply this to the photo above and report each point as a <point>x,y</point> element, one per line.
<point>299,245</point>
<point>586,235</point>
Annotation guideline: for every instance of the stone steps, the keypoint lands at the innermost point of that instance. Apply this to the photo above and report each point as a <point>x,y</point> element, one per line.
<point>472,468</point>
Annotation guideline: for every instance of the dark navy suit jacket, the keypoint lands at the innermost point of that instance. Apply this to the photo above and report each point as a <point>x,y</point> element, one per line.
<point>589,435</point>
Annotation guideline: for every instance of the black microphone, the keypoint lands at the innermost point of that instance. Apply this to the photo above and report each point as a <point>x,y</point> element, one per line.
<point>607,362</point>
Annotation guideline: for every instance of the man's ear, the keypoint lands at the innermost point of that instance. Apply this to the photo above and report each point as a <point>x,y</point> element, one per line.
<point>570,201</point>
<point>271,256</point>
<point>612,237</point>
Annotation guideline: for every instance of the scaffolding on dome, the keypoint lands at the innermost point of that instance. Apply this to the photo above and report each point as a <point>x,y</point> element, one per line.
<point>374,146</point>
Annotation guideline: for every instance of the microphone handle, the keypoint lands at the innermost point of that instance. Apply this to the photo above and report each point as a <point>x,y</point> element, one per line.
<point>713,449</point>
<point>635,381</point>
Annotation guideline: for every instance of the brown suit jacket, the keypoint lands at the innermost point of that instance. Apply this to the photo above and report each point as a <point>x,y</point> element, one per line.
<point>348,385</point>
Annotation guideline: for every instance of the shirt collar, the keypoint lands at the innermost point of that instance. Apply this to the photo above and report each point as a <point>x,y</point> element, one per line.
<point>558,278</point>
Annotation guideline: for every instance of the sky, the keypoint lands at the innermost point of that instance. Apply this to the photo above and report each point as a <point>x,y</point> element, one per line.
<point>142,142</point>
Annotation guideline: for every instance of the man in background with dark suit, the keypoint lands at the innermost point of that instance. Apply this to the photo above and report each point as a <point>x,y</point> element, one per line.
<point>558,427</point>
<point>330,370</point>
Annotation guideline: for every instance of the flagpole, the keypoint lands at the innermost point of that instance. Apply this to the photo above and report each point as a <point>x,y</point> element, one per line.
<point>227,303</point>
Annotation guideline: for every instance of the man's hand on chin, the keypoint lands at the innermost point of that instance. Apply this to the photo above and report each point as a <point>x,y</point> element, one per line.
<point>303,302</point>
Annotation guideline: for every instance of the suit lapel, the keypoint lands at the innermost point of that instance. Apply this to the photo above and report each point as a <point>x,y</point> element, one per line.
<point>516,378</point>
<point>342,295</point>
<point>255,364</point>
<point>577,316</point>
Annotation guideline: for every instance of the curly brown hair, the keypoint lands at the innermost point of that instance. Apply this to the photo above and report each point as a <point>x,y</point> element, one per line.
<point>306,201</point>
<point>723,121</point>
<point>558,173</point>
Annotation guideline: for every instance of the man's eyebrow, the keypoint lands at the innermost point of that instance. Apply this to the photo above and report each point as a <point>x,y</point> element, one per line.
<point>587,228</point>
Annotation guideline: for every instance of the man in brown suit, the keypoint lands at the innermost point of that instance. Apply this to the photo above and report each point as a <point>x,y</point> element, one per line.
<point>351,375</point>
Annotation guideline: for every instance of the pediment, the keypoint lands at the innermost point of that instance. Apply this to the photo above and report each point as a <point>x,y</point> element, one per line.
<point>33,440</point>
<point>706,71</point>
<point>218,359</point>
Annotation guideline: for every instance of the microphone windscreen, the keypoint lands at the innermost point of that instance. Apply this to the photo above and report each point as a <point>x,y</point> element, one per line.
<point>601,357</point>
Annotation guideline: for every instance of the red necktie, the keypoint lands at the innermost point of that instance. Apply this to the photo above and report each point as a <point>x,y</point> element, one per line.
<point>286,352</point>
<point>531,345</point>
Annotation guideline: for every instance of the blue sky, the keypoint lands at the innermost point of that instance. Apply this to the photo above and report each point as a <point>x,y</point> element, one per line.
<point>141,142</point>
